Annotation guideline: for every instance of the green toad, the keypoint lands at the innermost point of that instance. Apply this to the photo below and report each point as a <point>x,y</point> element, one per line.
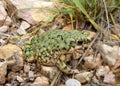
<point>52,46</point>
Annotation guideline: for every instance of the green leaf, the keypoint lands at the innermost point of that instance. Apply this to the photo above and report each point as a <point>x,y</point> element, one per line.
<point>80,6</point>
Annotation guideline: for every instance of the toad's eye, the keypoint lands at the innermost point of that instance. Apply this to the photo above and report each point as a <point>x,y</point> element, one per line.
<point>79,42</point>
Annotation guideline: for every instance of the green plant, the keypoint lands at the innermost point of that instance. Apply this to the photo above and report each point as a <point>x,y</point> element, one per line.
<point>92,9</point>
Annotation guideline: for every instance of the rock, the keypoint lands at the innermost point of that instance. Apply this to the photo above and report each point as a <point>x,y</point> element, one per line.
<point>11,76</point>
<point>12,54</point>
<point>4,29</point>
<point>77,52</point>
<point>24,25</point>
<point>21,31</point>
<point>3,71</point>
<point>26,68</point>
<point>72,82</point>
<point>109,78</point>
<point>8,84</point>
<point>34,16</point>
<point>4,18</point>
<point>107,68</point>
<point>23,74</point>
<point>109,57</point>
<point>84,76</point>
<point>31,74</point>
<point>19,79</point>
<point>91,62</point>
<point>41,31</point>
<point>101,71</point>
<point>49,71</point>
<point>2,42</point>
<point>41,81</point>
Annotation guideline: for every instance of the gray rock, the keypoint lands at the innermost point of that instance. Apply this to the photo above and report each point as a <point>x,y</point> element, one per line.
<point>21,30</point>
<point>109,54</point>
<point>19,79</point>
<point>34,16</point>
<point>4,29</point>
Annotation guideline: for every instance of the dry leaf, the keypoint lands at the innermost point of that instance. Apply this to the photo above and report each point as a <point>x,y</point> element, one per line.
<point>67,27</point>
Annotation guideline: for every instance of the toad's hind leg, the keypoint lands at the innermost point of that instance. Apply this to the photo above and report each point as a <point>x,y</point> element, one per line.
<point>63,67</point>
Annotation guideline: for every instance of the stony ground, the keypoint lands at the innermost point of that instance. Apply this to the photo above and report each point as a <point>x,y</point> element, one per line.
<point>100,62</point>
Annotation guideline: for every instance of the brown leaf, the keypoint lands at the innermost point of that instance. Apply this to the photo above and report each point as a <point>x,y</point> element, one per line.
<point>68,27</point>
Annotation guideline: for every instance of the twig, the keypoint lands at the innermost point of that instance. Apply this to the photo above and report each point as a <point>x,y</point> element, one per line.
<point>88,49</point>
<point>4,34</point>
<point>11,11</point>
<point>113,43</point>
<point>4,20</point>
<point>108,22</point>
<point>116,29</point>
<point>55,80</point>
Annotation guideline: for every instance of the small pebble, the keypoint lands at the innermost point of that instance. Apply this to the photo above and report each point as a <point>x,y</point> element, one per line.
<point>26,68</point>
<point>31,74</point>
<point>72,82</point>
<point>19,79</point>
<point>84,76</point>
<point>4,29</point>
